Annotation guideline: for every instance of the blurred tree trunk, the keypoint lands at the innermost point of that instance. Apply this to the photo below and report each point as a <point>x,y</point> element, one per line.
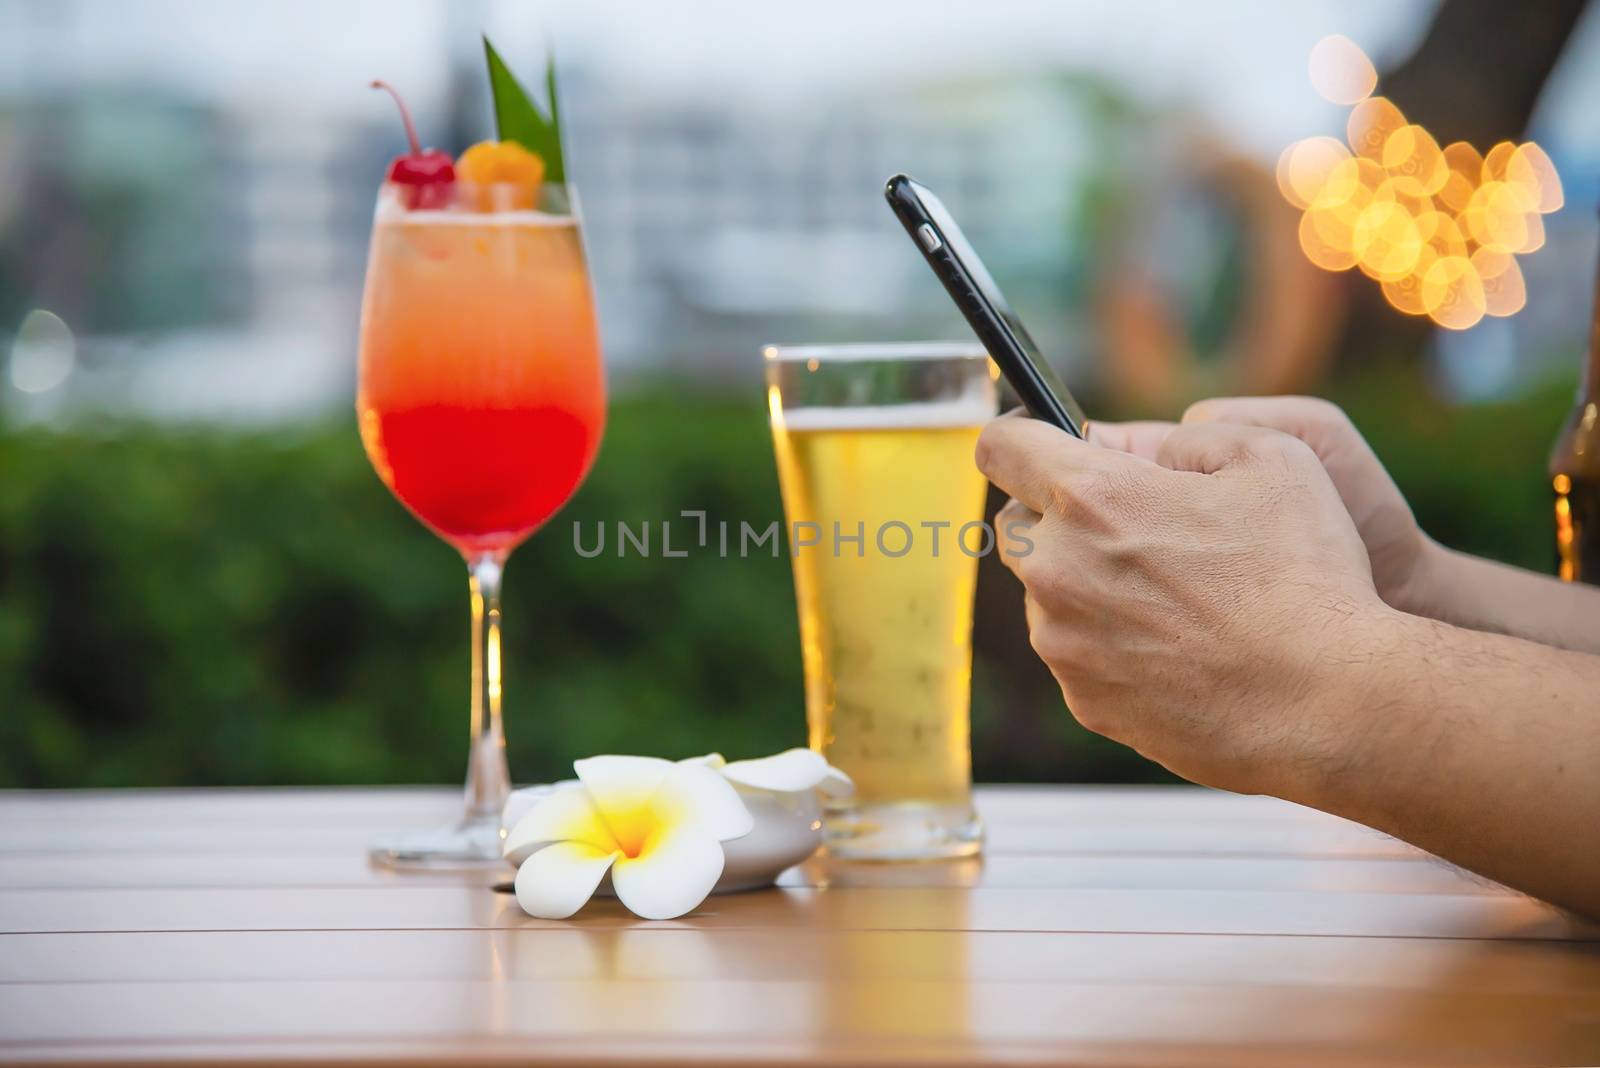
<point>1478,72</point>
<point>1476,77</point>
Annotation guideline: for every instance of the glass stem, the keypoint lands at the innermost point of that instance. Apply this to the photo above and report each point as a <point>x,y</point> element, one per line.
<point>488,778</point>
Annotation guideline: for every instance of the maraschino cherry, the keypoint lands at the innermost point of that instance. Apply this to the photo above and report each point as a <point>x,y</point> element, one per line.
<point>430,174</point>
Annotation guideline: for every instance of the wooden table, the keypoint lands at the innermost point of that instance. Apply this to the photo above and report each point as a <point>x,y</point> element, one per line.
<point>1159,926</point>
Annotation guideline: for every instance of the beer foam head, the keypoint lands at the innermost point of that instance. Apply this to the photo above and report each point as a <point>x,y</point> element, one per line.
<point>962,412</point>
<point>872,351</point>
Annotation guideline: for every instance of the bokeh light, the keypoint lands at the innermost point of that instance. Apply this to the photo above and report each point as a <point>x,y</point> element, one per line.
<point>1305,167</point>
<point>1341,71</point>
<point>1439,229</point>
<point>43,353</point>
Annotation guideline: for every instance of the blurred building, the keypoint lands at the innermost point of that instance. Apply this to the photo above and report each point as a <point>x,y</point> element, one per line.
<point>710,230</point>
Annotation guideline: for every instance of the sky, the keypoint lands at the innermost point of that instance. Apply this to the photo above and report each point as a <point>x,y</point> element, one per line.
<point>1241,64</point>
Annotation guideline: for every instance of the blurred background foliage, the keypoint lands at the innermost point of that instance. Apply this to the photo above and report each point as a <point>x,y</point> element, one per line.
<point>210,607</point>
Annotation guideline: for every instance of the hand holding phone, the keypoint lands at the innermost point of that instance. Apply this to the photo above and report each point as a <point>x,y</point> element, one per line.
<point>969,284</point>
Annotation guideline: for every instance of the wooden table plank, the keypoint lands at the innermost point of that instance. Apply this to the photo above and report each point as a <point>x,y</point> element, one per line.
<point>848,908</point>
<point>1126,839</point>
<point>1112,821</point>
<point>386,806</point>
<point>696,954</point>
<point>279,806</point>
<point>859,1051</point>
<point>1409,874</point>
<point>796,1021</point>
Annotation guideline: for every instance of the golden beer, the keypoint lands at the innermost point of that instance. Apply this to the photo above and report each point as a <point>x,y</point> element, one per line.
<point>885,523</point>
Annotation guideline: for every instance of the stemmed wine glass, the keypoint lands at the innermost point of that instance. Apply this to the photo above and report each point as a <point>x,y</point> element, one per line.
<point>481,404</point>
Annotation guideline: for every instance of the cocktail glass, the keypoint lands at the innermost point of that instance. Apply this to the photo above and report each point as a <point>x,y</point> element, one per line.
<point>481,404</point>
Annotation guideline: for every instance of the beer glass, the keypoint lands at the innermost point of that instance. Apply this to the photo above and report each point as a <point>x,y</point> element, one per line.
<point>885,521</point>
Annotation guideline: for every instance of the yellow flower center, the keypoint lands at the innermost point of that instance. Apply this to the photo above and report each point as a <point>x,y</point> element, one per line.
<point>633,828</point>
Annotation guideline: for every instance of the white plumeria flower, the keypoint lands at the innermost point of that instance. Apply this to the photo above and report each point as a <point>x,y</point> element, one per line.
<point>791,771</point>
<point>655,826</point>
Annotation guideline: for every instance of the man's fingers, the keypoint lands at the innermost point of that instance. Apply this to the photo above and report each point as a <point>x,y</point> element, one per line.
<point>1015,513</point>
<point>1014,531</point>
<point>1028,458</point>
<point>1312,420</point>
<point>1211,447</point>
<point>1141,439</point>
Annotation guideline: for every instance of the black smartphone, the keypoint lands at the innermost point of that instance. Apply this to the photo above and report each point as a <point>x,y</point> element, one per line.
<point>967,281</point>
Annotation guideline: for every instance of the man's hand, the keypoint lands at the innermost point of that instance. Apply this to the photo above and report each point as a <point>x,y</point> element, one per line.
<point>1411,571</point>
<point>1187,600</point>
<point>1396,546</point>
<point>1203,595</point>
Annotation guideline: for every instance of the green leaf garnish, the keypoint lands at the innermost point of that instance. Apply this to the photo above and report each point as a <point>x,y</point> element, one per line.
<point>517,118</point>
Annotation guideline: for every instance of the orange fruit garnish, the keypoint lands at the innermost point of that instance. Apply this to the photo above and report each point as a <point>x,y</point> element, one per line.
<point>500,176</point>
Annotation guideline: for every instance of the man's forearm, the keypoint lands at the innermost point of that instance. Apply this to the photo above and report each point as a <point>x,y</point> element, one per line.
<point>1481,748</point>
<point>1483,595</point>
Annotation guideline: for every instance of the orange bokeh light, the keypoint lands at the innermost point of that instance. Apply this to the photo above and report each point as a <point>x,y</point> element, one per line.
<point>1504,292</point>
<point>1341,71</point>
<point>1452,293</point>
<point>1530,167</point>
<point>1305,167</point>
<point>1439,229</point>
<point>1372,123</point>
<point>1415,161</point>
<point>1387,242</point>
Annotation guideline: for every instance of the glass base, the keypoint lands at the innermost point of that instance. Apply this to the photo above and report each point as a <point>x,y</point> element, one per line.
<point>472,843</point>
<point>903,830</point>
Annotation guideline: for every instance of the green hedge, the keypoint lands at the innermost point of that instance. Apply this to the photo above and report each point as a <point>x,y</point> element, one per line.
<point>226,607</point>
